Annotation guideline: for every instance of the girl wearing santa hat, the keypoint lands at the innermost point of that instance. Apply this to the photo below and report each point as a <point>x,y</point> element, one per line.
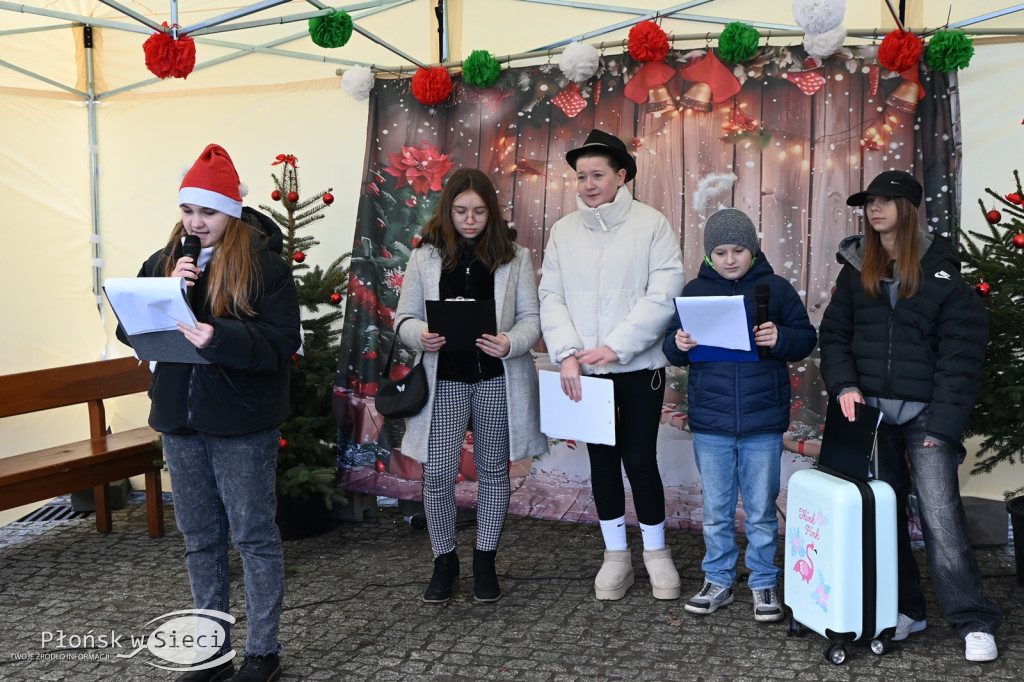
<point>219,419</point>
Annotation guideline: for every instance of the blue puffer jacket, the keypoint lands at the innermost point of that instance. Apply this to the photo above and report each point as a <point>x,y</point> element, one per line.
<point>746,398</point>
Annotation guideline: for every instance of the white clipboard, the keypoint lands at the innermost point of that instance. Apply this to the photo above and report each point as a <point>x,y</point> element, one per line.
<point>591,420</point>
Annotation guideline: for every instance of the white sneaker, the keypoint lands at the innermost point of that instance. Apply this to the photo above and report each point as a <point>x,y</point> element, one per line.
<point>905,625</point>
<point>981,646</point>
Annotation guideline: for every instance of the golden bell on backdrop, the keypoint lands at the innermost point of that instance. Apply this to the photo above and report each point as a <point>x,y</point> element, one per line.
<point>660,102</point>
<point>697,97</point>
<point>904,98</point>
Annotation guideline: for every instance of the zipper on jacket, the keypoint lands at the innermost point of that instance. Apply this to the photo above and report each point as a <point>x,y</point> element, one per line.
<point>188,398</point>
<point>888,353</point>
<point>479,365</point>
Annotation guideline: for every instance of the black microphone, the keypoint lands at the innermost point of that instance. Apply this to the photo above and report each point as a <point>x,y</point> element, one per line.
<point>191,248</point>
<point>762,292</point>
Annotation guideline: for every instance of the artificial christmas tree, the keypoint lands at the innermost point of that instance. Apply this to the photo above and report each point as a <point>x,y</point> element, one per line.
<point>307,461</point>
<point>995,264</point>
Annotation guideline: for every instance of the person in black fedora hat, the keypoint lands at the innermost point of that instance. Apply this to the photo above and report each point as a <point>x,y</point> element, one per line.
<point>605,144</point>
<point>904,333</point>
<point>609,274</point>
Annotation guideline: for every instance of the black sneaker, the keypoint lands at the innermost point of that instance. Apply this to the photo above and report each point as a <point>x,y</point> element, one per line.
<point>220,673</point>
<point>259,669</point>
<point>709,599</point>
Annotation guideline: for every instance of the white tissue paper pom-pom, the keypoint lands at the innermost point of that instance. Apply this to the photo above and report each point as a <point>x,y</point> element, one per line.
<point>357,82</point>
<point>579,62</point>
<point>818,16</point>
<point>826,44</point>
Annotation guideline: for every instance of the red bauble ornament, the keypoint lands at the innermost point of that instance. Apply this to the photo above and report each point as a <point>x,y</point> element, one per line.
<point>983,288</point>
<point>1018,241</point>
<point>283,443</point>
<point>293,197</point>
<point>1014,198</point>
<point>431,85</point>
<point>328,198</point>
<point>993,217</point>
<point>380,466</point>
<point>275,195</point>
<point>335,298</point>
<point>299,257</point>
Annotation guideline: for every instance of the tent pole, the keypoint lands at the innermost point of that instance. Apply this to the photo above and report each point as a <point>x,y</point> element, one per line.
<point>97,249</point>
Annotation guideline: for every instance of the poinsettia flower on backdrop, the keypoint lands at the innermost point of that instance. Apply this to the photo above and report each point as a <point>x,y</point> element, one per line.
<point>420,167</point>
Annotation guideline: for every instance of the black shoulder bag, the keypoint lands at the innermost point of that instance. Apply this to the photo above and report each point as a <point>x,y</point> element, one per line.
<point>405,397</point>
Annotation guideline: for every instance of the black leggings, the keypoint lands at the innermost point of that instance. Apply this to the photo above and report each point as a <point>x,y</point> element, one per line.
<point>638,399</point>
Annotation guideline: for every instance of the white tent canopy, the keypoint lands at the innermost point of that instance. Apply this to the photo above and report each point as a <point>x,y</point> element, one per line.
<point>94,144</point>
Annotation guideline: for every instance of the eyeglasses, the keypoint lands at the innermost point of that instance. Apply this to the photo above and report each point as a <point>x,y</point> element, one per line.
<point>462,215</point>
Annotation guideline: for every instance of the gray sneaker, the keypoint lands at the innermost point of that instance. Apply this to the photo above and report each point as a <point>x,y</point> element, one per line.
<point>767,607</point>
<point>709,598</point>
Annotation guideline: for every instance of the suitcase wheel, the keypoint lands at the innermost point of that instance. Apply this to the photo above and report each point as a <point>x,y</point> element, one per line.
<point>880,646</point>
<point>835,654</point>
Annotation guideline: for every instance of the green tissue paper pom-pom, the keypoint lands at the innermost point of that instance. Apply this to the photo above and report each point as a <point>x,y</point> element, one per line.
<point>481,69</point>
<point>949,51</point>
<point>738,42</point>
<point>331,30</point>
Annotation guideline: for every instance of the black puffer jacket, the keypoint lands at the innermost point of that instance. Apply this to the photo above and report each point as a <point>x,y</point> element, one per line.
<point>245,388</point>
<point>929,348</point>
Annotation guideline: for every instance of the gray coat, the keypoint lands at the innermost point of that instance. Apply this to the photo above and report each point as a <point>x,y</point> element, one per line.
<point>518,315</point>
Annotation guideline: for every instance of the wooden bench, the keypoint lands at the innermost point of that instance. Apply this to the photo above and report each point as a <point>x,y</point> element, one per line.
<point>92,463</point>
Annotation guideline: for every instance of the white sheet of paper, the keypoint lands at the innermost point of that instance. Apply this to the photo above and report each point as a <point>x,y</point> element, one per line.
<point>715,320</point>
<point>591,420</point>
<point>148,304</point>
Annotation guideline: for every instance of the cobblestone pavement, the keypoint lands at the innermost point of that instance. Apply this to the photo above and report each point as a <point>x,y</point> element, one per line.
<point>353,611</point>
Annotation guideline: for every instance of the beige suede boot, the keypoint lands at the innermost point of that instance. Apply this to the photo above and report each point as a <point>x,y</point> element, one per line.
<point>662,572</point>
<point>615,576</point>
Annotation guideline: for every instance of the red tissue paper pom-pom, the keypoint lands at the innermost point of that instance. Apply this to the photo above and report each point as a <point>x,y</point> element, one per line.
<point>167,57</point>
<point>647,42</point>
<point>431,85</point>
<point>899,51</point>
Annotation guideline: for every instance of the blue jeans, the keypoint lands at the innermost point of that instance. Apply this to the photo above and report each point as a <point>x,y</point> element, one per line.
<point>228,481</point>
<point>750,465</point>
<point>954,571</point>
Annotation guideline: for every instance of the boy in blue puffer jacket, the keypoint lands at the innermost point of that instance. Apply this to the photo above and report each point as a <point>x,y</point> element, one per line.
<point>738,413</point>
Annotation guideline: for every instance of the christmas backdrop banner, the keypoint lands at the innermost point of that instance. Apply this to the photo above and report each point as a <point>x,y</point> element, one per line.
<point>781,136</point>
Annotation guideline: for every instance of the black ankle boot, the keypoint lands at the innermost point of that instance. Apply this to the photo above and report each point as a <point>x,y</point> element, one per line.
<point>485,580</point>
<point>444,580</point>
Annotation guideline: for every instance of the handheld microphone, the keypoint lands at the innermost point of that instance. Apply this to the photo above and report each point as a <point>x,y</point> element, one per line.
<point>191,248</point>
<point>762,293</point>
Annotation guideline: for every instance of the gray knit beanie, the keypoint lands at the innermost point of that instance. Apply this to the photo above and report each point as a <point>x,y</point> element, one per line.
<point>730,226</point>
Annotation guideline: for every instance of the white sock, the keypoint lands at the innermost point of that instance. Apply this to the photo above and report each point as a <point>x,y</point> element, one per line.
<point>614,533</point>
<point>654,536</point>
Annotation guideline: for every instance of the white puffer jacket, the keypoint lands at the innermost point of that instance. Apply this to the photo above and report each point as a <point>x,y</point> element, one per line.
<point>608,279</point>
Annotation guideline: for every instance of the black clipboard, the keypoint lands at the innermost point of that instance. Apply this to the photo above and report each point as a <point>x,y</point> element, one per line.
<point>461,321</point>
<point>847,446</point>
<point>162,346</point>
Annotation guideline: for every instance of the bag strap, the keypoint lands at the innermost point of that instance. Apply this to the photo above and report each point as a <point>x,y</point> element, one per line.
<point>391,353</point>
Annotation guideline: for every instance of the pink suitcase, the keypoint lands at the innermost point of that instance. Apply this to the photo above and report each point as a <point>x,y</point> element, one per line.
<point>840,559</point>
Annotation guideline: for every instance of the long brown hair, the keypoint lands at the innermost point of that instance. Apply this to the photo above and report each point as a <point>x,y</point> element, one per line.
<point>877,261</point>
<point>231,273</point>
<point>496,244</point>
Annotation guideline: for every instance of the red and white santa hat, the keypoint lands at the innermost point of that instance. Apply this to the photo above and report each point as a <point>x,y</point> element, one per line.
<point>212,182</point>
